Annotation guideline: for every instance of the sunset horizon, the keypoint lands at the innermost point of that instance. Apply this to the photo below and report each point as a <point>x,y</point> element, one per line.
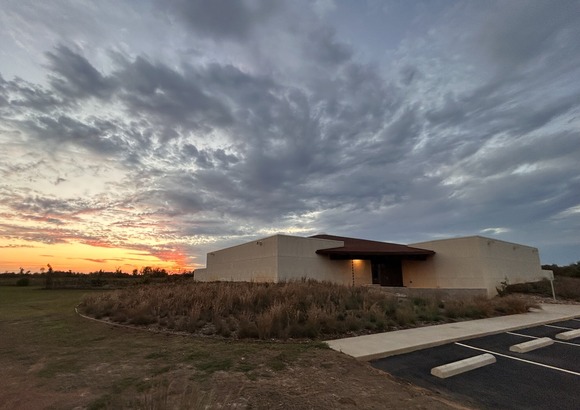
<point>85,258</point>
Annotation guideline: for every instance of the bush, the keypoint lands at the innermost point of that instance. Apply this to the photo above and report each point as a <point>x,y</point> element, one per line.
<point>572,270</point>
<point>23,282</point>
<point>511,305</point>
<point>541,288</point>
<point>565,288</point>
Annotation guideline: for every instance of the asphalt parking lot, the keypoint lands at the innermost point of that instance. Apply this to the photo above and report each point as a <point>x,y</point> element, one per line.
<point>546,378</point>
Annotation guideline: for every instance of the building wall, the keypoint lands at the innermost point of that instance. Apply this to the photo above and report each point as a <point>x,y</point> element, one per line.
<point>473,262</point>
<point>511,262</point>
<point>470,263</point>
<point>454,265</point>
<point>362,272</point>
<point>418,274</point>
<point>297,259</point>
<point>283,258</point>
<point>254,261</point>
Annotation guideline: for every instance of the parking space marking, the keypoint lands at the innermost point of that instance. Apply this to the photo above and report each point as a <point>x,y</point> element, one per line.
<point>534,337</point>
<point>518,359</point>
<point>560,327</point>
<point>519,334</point>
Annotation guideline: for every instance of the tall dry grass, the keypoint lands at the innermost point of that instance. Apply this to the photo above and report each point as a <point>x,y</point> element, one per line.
<point>302,309</point>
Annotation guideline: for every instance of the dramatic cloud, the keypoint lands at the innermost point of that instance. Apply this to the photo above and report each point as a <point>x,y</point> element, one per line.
<point>176,127</point>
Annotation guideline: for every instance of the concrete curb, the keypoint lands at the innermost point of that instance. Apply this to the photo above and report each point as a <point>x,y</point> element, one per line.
<point>572,334</point>
<point>531,345</point>
<point>381,345</point>
<point>462,366</point>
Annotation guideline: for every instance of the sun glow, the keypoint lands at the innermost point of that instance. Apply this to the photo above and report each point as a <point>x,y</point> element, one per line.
<point>81,257</point>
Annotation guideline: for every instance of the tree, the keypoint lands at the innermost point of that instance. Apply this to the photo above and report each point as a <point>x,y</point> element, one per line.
<point>49,277</point>
<point>153,272</point>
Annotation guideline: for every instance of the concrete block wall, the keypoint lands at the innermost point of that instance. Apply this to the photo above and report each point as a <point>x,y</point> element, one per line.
<point>282,258</point>
<point>454,265</point>
<point>254,261</point>
<point>509,261</point>
<point>297,259</point>
<point>473,262</point>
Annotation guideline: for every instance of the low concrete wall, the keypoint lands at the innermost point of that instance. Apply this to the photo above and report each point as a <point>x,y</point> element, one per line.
<point>426,293</point>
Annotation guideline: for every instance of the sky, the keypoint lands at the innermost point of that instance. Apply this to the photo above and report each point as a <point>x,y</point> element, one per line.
<point>148,133</point>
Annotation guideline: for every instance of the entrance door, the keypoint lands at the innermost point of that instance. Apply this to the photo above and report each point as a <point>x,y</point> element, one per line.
<point>387,272</point>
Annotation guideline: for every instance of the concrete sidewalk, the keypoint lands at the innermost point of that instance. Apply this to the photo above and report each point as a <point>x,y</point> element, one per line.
<point>381,345</point>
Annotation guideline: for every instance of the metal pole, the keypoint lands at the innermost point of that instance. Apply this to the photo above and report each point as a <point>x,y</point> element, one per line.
<point>551,278</point>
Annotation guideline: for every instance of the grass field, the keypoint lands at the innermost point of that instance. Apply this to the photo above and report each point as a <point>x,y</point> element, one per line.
<point>52,358</point>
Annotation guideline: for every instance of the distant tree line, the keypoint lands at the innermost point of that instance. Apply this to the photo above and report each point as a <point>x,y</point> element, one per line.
<point>59,279</point>
<point>118,273</point>
<point>572,270</point>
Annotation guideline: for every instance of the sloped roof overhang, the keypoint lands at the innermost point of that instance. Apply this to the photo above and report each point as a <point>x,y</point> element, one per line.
<point>364,249</point>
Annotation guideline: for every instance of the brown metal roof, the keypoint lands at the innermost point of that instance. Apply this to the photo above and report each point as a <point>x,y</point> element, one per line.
<point>364,249</point>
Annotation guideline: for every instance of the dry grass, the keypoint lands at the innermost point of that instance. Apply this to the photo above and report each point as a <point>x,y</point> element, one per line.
<point>306,309</point>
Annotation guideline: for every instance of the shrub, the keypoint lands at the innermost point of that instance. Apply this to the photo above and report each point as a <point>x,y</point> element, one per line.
<point>502,288</point>
<point>142,319</point>
<point>477,308</point>
<point>510,305</point>
<point>430,312</point>
<point>248,330</point>
<point>565,288</point>
<point>23,282</point>
<point>572,270</point>
<point>98,282</point>
<point>405,315</point>
<point>541,288</point>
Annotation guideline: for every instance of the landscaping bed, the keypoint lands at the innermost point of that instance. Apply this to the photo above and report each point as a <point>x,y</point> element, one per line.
<point>292,310</point>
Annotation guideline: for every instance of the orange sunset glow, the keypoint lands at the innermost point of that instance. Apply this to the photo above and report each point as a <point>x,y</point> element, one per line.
<point>79,257</point>
<point>89,235</point>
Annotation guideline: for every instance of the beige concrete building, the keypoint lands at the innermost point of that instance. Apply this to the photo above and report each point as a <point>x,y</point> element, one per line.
<point>461,263</point>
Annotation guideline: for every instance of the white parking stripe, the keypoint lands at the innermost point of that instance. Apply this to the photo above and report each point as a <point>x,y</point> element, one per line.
<point>519,334</point>
<point>518,359</point>
<point>560,327</point>
<point>534,337</point>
